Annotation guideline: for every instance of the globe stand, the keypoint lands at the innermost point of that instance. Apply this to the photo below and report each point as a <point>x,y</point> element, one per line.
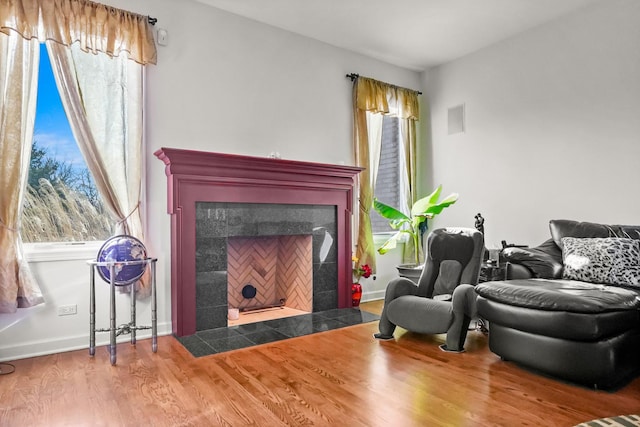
<point>127,328</point>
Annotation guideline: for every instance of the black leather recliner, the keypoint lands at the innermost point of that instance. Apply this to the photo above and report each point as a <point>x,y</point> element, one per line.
<point>587,333</point>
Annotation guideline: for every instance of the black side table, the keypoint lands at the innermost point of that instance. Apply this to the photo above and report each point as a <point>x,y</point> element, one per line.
<point>490,271</point>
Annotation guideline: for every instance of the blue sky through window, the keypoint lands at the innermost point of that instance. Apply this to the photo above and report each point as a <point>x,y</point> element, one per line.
<point>52,131</point>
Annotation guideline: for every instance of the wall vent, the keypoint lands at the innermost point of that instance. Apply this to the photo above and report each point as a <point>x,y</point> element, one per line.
<point>456,119</point>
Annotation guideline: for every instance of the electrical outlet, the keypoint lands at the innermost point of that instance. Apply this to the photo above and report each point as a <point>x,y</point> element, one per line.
<point>66,310</point>
<point>163,37</point>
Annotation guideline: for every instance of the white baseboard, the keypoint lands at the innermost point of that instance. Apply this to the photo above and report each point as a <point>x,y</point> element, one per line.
<point>372,295</point>
<point>69,343</point>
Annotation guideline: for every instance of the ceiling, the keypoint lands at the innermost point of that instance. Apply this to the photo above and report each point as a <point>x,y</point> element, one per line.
<point>415,34</point>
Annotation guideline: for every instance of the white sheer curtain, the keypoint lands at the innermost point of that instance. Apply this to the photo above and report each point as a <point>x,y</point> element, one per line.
<point>103,98</point>
<point>19,60</point>
<point>374,131</point>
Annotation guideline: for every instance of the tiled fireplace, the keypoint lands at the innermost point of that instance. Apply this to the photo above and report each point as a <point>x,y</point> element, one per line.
<point>269,225</point>
<point>285,254</point>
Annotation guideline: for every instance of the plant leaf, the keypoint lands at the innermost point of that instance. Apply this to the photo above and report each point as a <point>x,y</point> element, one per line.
<point>422,204</point>
<point>448,201</point>
<point>390,244</point>
<point>389,212</point>
<point>433,197</point>
<point>429,206</point>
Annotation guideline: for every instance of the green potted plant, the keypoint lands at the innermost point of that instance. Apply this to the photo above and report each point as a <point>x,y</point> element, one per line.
<point>421,211</point>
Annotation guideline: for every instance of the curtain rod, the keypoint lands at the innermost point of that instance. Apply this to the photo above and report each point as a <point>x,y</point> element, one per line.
<point>151,20</point>
<point>354,76</point>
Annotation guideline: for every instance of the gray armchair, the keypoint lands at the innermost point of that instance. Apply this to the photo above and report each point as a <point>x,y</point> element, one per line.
<point>444,299</point>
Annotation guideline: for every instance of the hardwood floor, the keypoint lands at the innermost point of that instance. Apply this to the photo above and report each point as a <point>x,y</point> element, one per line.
<point>335,378</point>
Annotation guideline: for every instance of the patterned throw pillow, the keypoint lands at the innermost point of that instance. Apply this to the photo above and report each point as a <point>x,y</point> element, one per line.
<point>613,261</point>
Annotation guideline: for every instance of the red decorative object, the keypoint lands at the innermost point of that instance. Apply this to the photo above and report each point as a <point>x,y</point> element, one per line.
<point>356,288</point>
<point>364,271</point>
<point>356,294</point>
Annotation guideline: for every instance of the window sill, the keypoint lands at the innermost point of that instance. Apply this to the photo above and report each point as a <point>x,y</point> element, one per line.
<point>50,252</point>
<point>380,238</point>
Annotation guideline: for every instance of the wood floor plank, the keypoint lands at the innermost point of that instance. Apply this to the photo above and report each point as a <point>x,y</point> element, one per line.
<point>339,377</point>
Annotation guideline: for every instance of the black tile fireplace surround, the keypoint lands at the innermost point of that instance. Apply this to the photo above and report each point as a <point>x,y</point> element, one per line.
<point>218,221</point>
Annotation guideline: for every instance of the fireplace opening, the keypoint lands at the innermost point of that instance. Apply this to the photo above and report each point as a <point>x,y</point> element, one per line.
<point>269,277</point>
<point>257,262</point>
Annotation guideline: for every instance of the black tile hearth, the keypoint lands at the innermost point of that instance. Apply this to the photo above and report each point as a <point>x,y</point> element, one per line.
<point>213,341</point>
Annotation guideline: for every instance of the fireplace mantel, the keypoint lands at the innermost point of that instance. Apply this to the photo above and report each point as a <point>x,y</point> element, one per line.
<point>196,176</point>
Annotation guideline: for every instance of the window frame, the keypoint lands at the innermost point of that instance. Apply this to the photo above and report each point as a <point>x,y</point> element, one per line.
<point>61,251</point>
<point>82,250</point>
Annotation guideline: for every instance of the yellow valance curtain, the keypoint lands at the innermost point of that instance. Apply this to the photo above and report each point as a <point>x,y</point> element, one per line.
<point>96,27</point>
<point>382,98</point>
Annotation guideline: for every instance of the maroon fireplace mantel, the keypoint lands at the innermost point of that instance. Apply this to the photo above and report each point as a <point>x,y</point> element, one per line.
<point>196,176</point>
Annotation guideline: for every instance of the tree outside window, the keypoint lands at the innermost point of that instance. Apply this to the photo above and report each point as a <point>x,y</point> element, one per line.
<point>61,203</point>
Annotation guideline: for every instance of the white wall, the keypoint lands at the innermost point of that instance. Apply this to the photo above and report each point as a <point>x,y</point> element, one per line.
<point>224,84</point>
<point>553,126</point>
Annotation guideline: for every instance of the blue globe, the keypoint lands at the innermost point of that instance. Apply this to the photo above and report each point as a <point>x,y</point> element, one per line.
<point>119,249</point>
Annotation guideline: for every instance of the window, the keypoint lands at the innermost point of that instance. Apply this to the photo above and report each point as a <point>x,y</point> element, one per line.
<point>388,182</point>
<point>61,203</point>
